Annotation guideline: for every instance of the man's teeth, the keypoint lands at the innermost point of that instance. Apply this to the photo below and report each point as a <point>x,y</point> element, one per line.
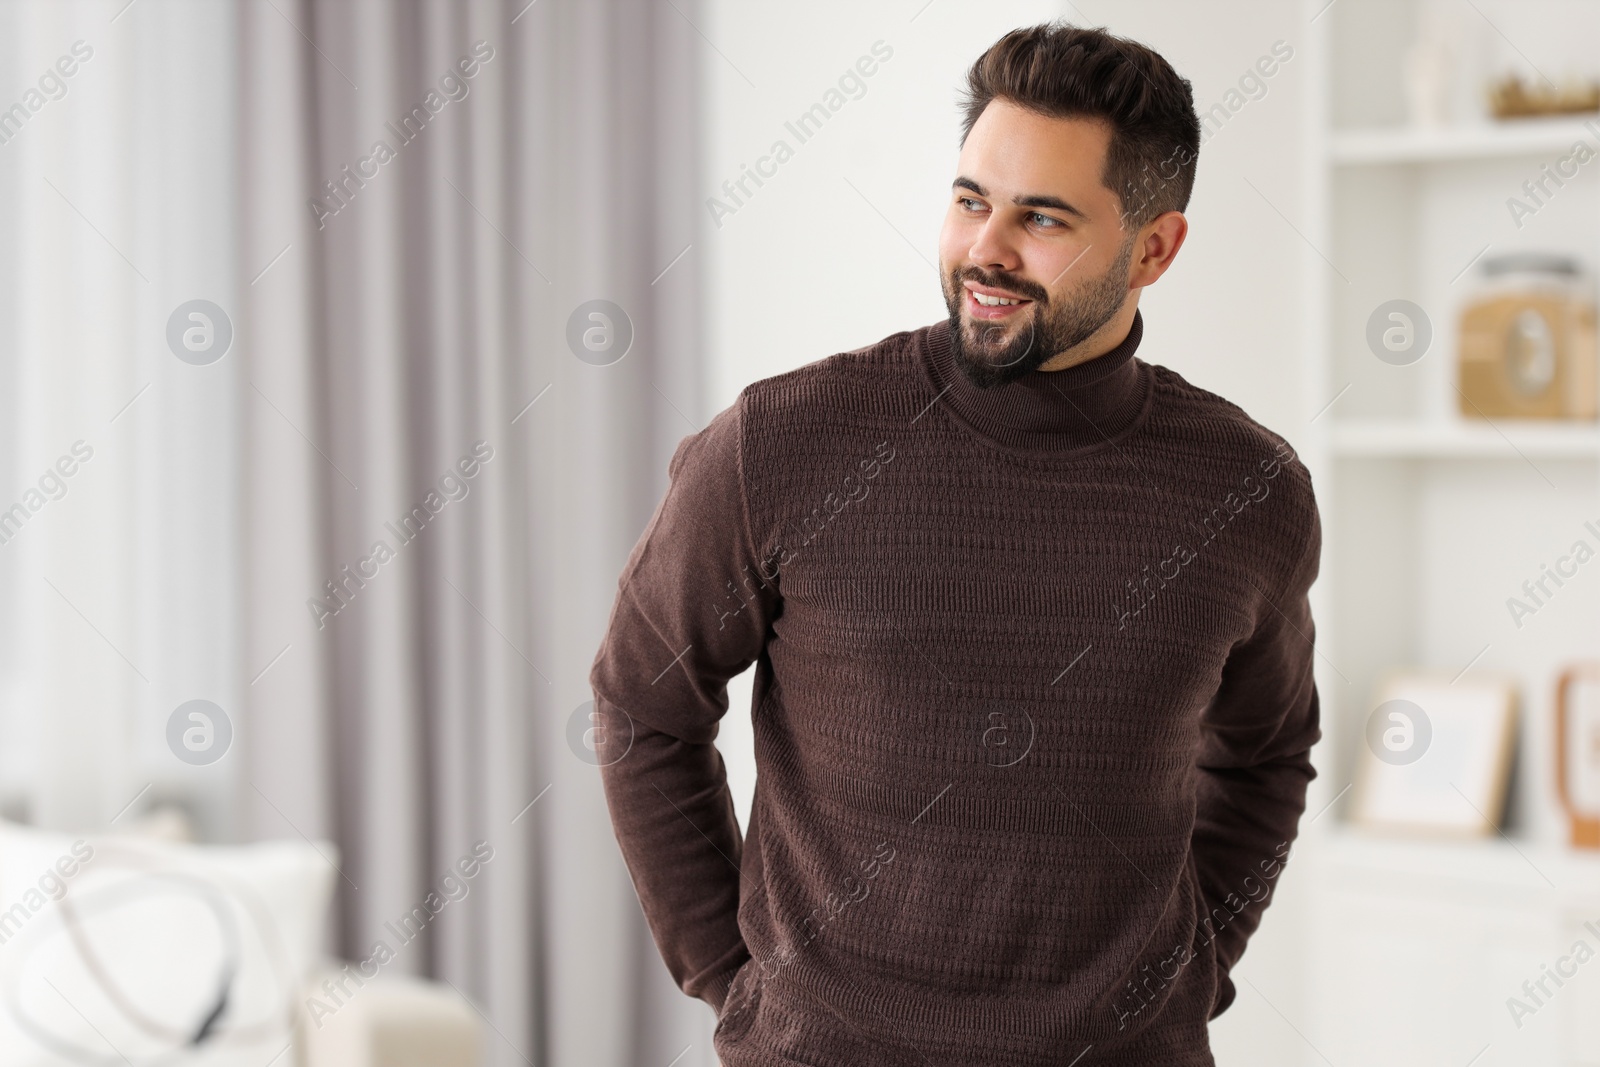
<point>994,301</point>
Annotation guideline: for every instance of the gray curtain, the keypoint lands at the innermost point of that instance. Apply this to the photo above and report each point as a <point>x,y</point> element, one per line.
<point>417,311</point>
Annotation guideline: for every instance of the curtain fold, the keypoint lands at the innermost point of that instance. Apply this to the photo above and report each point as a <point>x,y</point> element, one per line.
<point>417,638</point>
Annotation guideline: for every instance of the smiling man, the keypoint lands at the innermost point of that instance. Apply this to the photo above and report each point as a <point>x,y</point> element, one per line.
<point>1033,696</point>
<point>1004,323</point>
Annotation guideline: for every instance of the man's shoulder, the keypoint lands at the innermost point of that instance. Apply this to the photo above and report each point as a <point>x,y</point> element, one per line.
<point>1210,418</point>
<point>1219,434</point>
<point>871,377</point>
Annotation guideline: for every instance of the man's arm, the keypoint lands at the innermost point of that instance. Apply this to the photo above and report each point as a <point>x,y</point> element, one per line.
<point>1255,764</point>
<point>693,609</point>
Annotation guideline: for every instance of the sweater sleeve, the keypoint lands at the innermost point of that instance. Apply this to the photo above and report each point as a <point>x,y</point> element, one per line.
<point>693,609</point>
<point>1256,736</point>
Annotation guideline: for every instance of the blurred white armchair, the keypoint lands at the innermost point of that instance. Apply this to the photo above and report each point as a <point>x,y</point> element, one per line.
<point>390,1022</point>
<point>131,940</point>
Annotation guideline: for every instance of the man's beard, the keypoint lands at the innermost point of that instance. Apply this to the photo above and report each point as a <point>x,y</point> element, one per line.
<point>989,360</point>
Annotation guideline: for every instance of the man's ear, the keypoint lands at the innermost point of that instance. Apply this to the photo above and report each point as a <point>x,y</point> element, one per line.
<point>1156,247</point>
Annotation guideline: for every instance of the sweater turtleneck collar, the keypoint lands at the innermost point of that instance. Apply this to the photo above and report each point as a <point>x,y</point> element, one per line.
<point>1083,406</point>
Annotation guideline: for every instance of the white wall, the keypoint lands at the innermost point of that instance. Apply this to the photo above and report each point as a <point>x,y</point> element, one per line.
<point>837,250</point>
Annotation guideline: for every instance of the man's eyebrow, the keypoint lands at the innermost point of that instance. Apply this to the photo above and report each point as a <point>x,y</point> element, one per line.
<point>1035,200</point>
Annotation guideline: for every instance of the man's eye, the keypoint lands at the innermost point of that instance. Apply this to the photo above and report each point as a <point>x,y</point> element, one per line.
<point>1046,221</point>
<point>966,202</point>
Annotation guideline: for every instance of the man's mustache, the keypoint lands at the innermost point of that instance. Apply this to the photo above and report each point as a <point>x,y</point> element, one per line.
<point>1022,288</point>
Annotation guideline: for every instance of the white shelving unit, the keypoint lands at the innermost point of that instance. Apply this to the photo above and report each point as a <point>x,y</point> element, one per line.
<point>1504,439</point>
<point>1381,147</point>
<point>1418,946</point>
<point>1431,521</point>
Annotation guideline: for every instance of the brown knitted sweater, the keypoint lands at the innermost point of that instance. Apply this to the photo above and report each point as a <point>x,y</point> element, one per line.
<point>1033,704</point>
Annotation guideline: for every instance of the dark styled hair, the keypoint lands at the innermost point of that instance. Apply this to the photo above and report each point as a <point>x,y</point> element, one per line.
<point>1064,71</point>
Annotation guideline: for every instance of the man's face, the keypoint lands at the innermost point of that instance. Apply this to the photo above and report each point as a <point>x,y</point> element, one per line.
<point>1029,220</point>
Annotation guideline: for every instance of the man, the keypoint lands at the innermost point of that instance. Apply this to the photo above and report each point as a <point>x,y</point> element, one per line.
<point>1033,694</point>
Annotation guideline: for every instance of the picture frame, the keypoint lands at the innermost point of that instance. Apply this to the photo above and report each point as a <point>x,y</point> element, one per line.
<point>1435,754</point>
<point>1578,751</point>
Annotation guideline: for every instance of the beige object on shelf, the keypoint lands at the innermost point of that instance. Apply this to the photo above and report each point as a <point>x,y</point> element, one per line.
<point>1510,97</point>
<point>1527,341</point>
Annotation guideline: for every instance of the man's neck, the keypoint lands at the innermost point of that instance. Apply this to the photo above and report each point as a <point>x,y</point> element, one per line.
<point>1103,340</point>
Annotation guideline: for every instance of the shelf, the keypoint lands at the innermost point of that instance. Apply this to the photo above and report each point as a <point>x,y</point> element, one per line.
<point>1431,519</point>
<point>1514,137</point>
<point>1504,439</point>
<point>1377,858</point>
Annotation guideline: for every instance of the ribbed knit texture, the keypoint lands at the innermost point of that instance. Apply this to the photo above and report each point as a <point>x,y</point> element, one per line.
<point>1032,711</point>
